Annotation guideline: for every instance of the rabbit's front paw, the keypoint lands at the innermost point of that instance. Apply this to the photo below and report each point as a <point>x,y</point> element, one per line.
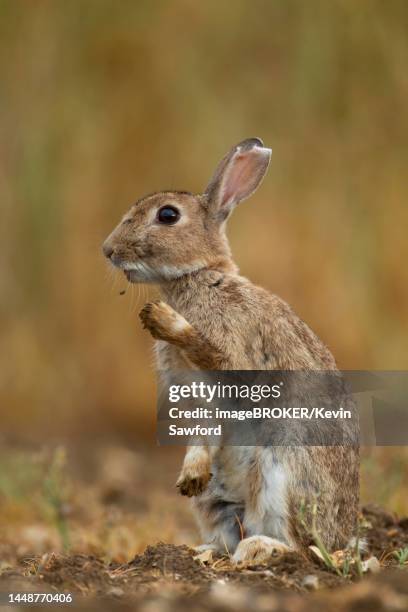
<point>162,321</point>
<point>193,485</point>
<point>193,481</point>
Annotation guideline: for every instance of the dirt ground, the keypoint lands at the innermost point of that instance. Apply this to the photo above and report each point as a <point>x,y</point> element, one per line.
<point>169,577</point>
<point>113,534</point>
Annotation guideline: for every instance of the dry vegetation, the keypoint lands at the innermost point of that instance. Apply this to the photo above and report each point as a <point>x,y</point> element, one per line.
<point>93,524</point>
<point>101,105</point>
<point>104,101</point>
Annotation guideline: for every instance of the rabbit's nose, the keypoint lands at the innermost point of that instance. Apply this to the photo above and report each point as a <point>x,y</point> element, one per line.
<point>108,250</point>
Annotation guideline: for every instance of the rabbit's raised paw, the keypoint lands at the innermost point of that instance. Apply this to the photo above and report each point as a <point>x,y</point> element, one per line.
<point>162,321</point>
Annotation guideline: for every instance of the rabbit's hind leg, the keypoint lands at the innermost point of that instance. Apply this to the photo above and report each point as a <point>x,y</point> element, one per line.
<point>220,521</point>
<point>266,520</point>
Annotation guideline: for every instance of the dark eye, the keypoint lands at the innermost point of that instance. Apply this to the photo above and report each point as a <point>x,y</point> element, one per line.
<point>168,215</point>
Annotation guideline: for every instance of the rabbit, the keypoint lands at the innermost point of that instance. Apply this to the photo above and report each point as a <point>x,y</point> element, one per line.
<point>247,500</point>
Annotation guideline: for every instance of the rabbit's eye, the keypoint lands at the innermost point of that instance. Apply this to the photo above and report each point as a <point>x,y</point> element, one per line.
<point>168,215</point>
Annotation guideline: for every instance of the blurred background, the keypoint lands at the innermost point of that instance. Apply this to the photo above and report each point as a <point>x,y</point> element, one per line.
<point>103,101</point>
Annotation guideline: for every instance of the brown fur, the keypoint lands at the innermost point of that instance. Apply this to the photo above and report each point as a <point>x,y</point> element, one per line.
<point>213,318</point>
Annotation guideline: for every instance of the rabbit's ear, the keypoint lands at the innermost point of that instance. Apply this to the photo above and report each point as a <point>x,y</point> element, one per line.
<point>238,175</point>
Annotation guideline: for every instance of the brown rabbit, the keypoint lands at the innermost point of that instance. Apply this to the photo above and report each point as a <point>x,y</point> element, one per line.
<point>211,318</point>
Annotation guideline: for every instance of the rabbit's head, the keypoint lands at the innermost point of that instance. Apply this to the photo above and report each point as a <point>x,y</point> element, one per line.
<point>171,233</point>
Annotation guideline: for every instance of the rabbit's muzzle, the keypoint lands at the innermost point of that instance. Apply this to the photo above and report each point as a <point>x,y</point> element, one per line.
<point>123,258</point>
<point>108,250</point>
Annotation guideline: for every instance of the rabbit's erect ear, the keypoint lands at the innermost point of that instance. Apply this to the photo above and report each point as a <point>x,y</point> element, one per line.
<point>238,175</point>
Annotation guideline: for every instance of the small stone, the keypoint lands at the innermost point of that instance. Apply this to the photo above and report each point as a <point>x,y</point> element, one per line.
<point>205,557</point>
<point>371,565</point>
<point>392,532</point>
<point>116,592</point>
<point>229,596</point>
<point>311,582</point>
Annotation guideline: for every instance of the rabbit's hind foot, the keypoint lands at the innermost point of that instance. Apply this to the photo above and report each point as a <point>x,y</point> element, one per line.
<point>258,549</point>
